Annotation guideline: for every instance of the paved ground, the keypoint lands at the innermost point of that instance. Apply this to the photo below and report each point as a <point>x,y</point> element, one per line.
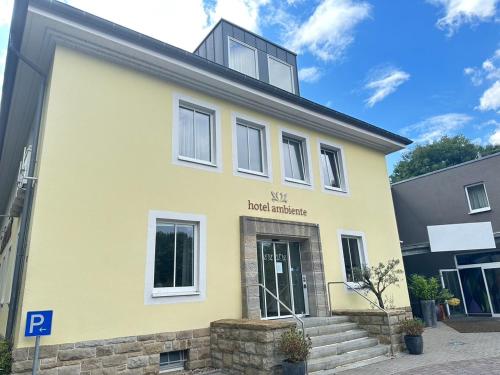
<point>446,352</point>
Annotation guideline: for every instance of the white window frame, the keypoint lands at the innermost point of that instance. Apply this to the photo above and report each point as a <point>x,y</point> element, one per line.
<point>292,75</point>
<point>484,209</point>
<point>215,164</point>
<point>364,253</point>
<point>197,293</point>
<point>344,186</point>
<point>308,173</point>
<point>256,55</point>
<point>266,175</point>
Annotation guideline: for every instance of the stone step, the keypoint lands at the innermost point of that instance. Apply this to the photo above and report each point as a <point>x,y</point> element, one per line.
<point>331,328</point>
<point>338,337</point>
<point>324,321</point>
<point>331,364</point>
<point>342,347</point>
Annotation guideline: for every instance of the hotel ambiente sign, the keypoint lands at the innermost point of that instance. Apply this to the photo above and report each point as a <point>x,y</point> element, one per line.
<point>279,205</point>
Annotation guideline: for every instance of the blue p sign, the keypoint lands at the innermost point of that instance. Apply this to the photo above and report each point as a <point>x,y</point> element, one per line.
<point>38,323</point>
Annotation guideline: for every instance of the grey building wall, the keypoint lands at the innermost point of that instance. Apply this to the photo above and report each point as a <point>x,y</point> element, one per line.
<point>215,48</point>
<point>439,198</point>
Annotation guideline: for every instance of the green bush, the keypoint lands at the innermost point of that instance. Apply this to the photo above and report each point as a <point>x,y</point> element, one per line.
<point>428,289</point>
<point>5,357</point>
<point>412,327</point>
<point>295,347</point>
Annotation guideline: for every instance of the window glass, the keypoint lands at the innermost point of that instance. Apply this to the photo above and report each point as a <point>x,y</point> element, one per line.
<point>352,258</point>
<point>242,58</point>
<point>174,256</point>
<point>195,135</point>
<point>249,148</point>
<point>477,197</point>
<point>476,258</point>
<point>331,168</point>
<point>280,74</point>
<point>294,159</point>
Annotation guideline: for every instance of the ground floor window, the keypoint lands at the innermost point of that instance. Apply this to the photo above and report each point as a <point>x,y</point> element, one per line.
<point>353,251</point>
<point>176,255</point>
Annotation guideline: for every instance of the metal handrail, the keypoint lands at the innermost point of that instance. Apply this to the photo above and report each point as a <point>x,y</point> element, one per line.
<point>366,298</point>
<point>285,306</point>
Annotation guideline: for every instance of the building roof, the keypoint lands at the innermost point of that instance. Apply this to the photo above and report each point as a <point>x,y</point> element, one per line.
<point>480,159</point>
<point>99,24</point>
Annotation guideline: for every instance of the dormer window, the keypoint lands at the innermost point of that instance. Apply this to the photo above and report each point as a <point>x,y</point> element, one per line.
<point>280,74</point>
<point>243,58</point>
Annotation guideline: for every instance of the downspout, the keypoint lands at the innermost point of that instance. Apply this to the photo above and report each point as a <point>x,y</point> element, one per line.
<point>26,213</point>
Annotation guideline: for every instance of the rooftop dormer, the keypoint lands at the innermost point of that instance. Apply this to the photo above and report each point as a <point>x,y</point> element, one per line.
<point>250,54</point>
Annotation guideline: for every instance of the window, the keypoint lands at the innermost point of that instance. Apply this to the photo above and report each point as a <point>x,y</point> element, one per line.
<point>280,74</point>
<point>332,168</point>
<point>250,151</point>
<point>173,361</point>
<point>296,159</point>
<point>176,257</point>
<point>353,255</point>
<point>196,134</point>
<point>243,58</point>
<point>477,198</point>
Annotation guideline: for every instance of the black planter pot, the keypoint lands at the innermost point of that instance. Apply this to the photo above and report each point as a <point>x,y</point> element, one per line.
<point>414,344</point>
<point>294,368</point>
<point>429,312</point>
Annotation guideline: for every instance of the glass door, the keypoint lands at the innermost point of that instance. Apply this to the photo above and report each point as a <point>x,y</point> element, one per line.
<point>451,281</point>
<point>475,293</point>
<point>281,273</point>
<point>492,277</point>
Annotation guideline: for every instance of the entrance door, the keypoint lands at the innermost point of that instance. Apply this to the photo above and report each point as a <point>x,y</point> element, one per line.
<point>451,281</point>
<point>475,293</point>
<point>492,277</point>
<point>280,272</point>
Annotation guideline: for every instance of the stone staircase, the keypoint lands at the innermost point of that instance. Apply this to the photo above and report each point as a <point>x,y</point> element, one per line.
<point>338,345</point>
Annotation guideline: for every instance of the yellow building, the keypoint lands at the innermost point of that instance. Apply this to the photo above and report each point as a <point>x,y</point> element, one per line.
<point>162,190</point>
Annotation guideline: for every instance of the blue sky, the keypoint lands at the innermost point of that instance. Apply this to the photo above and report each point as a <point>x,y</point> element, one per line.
<point>419,68</point>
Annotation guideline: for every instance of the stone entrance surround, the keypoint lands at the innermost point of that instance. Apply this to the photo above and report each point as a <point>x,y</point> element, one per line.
<point>123,355</point>
<point>253,228</point>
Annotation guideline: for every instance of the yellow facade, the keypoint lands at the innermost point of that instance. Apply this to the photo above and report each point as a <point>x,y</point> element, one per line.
<point>106,161</point>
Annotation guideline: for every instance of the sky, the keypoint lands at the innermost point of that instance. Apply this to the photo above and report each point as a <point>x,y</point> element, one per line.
<point>419,68</point>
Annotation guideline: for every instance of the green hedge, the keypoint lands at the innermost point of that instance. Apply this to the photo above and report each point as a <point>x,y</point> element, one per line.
<point>5,357</point>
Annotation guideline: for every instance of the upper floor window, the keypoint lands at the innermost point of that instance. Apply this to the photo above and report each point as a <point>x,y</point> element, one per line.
<point>477,198</point>
<point>243,58</point>
<point>196,134</point>
<point>295,159</point>
<point>280,74</point>
<point>332,168</point>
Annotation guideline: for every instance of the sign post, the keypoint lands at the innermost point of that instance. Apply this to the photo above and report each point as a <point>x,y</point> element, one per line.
<point>38,323</point>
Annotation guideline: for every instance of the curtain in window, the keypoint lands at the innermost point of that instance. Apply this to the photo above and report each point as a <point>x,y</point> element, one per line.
<point>477,197</point>
<point>195,138</point>
<point>280,75</point>
<point>242,58</point>
<point>249,148</point>
<point>294,159</point>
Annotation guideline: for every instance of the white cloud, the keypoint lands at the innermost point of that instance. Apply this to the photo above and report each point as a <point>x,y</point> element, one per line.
<point>491,98</point>
<point>182,23</point>
<point>475,74</point>
<point>460,12</point>
<point>383,82</point>
<point>494,139</point>
<point>433,128</point>
<point>329,30</point>
<point>311,74</point>
<point>5,12</point>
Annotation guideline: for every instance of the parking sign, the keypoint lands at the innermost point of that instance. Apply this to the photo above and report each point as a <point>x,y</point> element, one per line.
<point>38,323</point>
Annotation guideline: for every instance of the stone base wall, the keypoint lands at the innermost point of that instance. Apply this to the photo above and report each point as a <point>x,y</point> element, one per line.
<point>375,322</point>
<point>123,355</point>
<point>241,346</point>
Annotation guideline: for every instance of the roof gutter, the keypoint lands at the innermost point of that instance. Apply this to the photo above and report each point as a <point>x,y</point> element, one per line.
<point>14,53</point>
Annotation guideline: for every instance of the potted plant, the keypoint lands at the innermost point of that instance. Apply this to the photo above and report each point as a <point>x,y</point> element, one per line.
<point>296,349</point>
<point>413,329</point>
<point>428,290</point>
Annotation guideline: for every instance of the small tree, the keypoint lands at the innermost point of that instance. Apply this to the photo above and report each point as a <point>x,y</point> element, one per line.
<point>376,279</point>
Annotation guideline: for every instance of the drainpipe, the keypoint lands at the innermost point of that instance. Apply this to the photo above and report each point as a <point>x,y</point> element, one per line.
<point>26,213</point>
